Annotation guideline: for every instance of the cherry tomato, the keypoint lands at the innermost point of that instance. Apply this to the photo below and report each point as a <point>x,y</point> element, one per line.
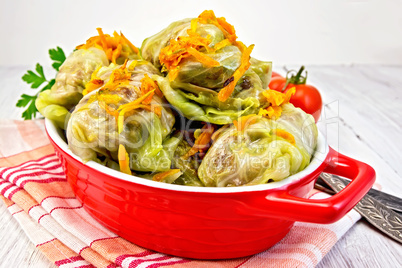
<point>307,97</point>
<point>275,74</point>
<point>277,83</point>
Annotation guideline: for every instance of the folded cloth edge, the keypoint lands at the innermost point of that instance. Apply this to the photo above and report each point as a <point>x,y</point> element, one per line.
<point>304,246</point>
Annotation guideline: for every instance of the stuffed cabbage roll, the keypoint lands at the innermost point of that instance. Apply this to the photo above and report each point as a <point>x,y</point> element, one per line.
<point>76,72</point>
<point>188,167</point>
<point>210,74</point>
<point>127,112</point>
<point>257,149</point>
<point>183,171</point>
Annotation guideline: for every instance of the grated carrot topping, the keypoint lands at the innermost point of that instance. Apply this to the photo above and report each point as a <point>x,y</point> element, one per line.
<point>119,77</point>
<point>124,160</point>
<point>105,101</point>
<point>244,121</point>
<point>173,73</point>
<point>201,57</point>
<point>164,175</point>
<point>116,53</point>
<point>217,133</point>
<point>208,17</point>
<point>229,32</point>
<point>224,43</point>
<point>182,48</point>
<point>157,109</point>
<point>241,46</point>
<point>133,48</point>
<point>228,27</point>
<point>102,37</point>
<point>132,65</point>
<point>185,46</point>
<point>136,104</point>
<point>284,135</point>
<point>227,91</point>
<point>147,85</point>
<point>121,115</point>
<point>94,83</point>
<point>271,112</point>
<point>201,142</point>
<point>276,100</point>
<point>158,92</point>
<point>114,46</point>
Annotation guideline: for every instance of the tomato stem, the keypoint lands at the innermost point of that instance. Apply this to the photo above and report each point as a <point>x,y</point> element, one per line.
<point>297,79</point>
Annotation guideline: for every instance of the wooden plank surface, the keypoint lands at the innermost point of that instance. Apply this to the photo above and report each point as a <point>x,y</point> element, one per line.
<point>362,118</point>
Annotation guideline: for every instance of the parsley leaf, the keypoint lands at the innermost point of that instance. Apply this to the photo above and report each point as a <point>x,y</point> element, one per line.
<point>23,102</point>
<point>57,55</point>
<point>25,99</point>
<point>30,111</point>
<point>36,80</point>
<point>49,85</point>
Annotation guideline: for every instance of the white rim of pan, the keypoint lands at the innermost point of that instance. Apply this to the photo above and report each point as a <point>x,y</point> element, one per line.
<point>320,154</point>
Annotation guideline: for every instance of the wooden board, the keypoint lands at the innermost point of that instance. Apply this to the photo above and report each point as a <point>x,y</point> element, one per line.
<point>362,118</point>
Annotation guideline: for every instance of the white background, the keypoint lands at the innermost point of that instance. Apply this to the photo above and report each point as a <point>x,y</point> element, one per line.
<point>322,32</point>
<point>286,32</point>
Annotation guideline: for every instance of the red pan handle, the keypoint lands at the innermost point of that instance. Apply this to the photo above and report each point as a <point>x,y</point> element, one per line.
<point>335,207</point>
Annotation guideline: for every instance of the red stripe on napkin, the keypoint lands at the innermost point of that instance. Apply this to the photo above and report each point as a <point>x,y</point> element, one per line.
<point>33,186</point>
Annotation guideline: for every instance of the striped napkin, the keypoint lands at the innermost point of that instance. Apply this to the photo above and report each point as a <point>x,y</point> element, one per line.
<point>34,188</point>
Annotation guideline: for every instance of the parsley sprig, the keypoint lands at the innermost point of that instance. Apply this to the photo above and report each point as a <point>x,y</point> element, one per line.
<point>57,55</point>
<point>36,79</point>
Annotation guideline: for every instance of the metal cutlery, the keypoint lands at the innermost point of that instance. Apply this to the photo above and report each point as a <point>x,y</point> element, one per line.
<point>382,210</point>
